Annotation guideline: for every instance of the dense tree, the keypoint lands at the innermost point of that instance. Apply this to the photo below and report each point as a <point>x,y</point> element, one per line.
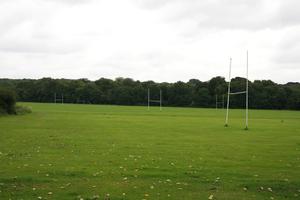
<point>217,86</point>
<point>7,101</point>
<point>263,94</point>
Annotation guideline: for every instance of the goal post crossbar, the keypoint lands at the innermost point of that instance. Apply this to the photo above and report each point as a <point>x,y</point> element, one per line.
<point>242,92</point>
<point>154,101</point>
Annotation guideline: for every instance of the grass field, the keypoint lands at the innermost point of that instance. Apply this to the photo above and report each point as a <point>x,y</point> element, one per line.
<point>89,151</point>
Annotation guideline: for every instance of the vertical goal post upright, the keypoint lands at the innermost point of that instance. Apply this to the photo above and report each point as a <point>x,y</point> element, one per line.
<point>246,92</point>
<point>155,100</point>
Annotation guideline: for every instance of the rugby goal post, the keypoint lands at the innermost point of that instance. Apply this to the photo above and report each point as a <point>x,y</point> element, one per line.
<point>246,92</point>
<point>220,102</point>
<point>155,100</point>
<point>61,99</point>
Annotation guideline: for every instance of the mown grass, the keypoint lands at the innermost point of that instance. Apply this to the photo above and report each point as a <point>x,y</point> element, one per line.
<point>81,151</point>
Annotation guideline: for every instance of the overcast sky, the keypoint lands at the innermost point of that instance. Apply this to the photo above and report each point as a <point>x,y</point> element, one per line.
<point>161,40</point>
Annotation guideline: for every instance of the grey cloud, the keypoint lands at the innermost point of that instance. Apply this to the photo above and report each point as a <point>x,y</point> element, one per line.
<point>38,47</point>
<point>152,4</point>
<point>13,17</point>
<point>226,14</point>
<point>288,48</point>
<point>70,2</point>
<point>8,23</point>
<point>288,13</point>
<point>42,33</point>
<point>23,29</point>
<point>132,62</point>
<point>230,14</point>
<point>290,39</point>
<point>288,57</point>
<point>5,1</point>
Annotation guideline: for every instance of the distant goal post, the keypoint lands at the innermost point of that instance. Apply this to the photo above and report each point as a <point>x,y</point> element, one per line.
<point>158,101</point>
<point>59,99</point>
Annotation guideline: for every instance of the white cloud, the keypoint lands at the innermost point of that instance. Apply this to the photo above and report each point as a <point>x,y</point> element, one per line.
<point>162,40</point>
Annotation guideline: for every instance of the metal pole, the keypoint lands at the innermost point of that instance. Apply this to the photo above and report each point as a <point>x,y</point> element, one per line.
<point>247,95</point>
<point>227,111</point>
<point>223,104</point>
<point>216,101</point>
<point>148,99</point>
<point>55,98</point>
<point>160,100</point>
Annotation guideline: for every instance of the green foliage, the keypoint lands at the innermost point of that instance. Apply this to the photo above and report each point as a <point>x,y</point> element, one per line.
<point>81,151</point>
<point>7,101</point>
<point>21,109</point>
<point>263,94</point>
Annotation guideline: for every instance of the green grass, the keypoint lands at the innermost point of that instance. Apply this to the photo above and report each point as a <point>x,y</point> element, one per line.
<point>78,151</point>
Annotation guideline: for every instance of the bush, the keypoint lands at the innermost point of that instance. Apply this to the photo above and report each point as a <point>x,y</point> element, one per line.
<point>7,101</point>
<point>21,110</point>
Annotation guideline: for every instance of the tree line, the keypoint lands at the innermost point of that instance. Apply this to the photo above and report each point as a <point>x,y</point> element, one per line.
<point>263,94</point>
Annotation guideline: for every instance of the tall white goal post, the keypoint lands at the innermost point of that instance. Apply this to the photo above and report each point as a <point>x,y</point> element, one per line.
<point>155,100</point>
<point>236,93</point>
